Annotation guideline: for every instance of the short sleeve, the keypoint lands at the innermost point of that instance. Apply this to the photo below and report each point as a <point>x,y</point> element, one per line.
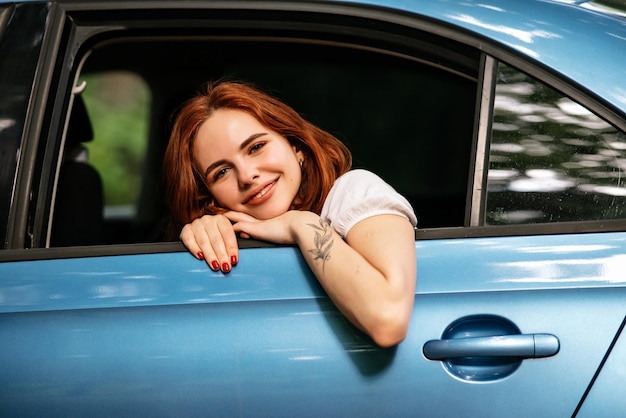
<point>360,194</point>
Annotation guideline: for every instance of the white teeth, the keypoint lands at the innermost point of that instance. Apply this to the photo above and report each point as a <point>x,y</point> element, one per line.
<point>262,192</point>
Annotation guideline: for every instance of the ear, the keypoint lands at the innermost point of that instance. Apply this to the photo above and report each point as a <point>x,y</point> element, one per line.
<point>299,154</point>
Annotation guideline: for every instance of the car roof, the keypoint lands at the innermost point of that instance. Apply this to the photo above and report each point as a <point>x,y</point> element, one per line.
<point>579,40</point>
<point>583,41</point>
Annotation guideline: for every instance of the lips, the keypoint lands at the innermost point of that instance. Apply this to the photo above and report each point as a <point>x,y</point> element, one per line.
<point>260,195</point>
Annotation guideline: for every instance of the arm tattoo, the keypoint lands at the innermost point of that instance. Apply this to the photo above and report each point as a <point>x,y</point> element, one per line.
<point>323,241</point>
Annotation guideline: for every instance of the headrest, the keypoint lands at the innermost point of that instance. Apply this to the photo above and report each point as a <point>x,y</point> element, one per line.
<point>79,129</point>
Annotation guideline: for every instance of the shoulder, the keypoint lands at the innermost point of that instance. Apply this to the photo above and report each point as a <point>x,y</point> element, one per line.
<point>359,194</point>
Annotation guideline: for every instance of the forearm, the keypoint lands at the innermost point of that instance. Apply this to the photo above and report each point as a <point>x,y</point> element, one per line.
<point>374,291</point>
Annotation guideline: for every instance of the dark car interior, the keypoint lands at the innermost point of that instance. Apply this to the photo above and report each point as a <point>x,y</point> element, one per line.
<point>78,215</point>
<point>404,106</point>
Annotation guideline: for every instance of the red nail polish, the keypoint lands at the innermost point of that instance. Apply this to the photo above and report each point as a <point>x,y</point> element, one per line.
<point>225,267</point>
<point>200,255</point>
<point>215,265</point>
<point>233,260</point>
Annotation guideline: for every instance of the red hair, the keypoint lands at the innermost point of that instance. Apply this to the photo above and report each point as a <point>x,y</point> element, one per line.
<point>187,194</point>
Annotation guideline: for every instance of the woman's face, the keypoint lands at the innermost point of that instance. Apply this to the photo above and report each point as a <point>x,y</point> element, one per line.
<point>248,167</point>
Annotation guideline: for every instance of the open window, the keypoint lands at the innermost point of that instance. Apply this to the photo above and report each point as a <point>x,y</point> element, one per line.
<point>405,110</point>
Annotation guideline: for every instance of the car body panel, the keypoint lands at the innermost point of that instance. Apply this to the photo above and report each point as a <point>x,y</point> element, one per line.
<point>603,400</point>
<point>502,264</point>
<point>282,358</point>
<point>160,333</point>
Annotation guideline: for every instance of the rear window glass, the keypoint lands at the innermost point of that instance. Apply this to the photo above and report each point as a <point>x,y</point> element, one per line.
<point>551,159</point>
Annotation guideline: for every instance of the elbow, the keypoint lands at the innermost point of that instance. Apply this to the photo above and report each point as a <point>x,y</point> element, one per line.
<point>389,330</point>
<point>388,341</point>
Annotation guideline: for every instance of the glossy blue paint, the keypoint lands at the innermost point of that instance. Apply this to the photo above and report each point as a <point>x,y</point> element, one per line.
<point>218,359</point>
<point>604,400</point>
<point>557,35</point>
<point>153,279</point>
<point>161,334</point>
<point>523,263</point>
<point>473,265</point>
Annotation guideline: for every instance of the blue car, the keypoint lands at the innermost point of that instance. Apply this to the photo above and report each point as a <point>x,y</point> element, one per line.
<point>503,122</point>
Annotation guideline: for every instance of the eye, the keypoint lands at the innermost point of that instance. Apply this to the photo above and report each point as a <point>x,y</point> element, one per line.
<point>220,173</point>
<point>257,146</point>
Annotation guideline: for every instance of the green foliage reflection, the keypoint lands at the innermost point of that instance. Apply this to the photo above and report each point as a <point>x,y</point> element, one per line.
<point>118,105</point>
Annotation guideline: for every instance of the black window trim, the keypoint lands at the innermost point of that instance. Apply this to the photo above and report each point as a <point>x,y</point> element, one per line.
<point>17,193</point>
<point>20,231</point>
<point>454,233</point>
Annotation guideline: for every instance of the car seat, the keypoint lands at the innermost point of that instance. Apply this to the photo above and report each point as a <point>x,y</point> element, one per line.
<point>78,211</point>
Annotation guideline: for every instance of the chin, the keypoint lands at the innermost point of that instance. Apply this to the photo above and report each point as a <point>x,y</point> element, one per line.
<point>268,213</point>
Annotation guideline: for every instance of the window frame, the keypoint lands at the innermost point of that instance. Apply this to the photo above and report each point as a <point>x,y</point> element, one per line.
<point>22,74</point>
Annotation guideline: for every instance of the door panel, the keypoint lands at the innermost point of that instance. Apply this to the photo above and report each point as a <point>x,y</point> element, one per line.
<point>163,335</point>
<point>606,397</point>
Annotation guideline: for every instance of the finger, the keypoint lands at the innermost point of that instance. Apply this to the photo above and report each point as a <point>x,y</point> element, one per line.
<point>274,230</point>
<point>246,229</point>
<point>240,217</point>
<point>230,257</point>
<point>216,229</point>
<point>197,238</point>
<point>189,241</point>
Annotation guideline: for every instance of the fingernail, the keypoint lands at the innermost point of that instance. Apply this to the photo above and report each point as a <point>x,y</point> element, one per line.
<point>225,267</point>
<point>233,260</point>
<point>215,265</point>
<point>200,255</point>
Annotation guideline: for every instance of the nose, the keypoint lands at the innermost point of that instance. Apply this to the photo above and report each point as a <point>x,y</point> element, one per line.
<point>247,175</point>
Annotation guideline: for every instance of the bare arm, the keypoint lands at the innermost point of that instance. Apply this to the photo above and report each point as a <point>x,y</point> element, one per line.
<point>370,276</point>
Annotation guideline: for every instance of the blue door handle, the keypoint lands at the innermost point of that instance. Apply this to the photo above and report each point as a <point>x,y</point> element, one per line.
<point>520,345</point>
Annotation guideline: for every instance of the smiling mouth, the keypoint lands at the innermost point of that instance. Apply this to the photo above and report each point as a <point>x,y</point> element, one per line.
<point>253,199</point>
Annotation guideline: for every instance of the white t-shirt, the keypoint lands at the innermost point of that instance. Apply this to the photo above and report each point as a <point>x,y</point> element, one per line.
<point>360,194</point>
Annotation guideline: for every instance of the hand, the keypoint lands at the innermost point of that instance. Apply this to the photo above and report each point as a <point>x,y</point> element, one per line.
<point>212,238</point>
<point>279,230</point>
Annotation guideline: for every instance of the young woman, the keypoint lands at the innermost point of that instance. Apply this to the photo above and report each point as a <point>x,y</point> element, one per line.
<point>241,162</point>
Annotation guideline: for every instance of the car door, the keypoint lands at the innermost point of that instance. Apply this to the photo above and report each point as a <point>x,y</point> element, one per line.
<point>162,334</point>
<point>515,313</point>
<point>561,292</point>
<point>603,399</point>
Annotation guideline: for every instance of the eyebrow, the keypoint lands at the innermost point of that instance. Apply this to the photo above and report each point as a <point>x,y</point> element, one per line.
<point>242,146</point>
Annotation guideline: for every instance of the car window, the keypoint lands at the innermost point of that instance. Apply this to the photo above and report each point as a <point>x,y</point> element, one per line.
<point>118,104</point>
<point>100,175</point>
<point>406,118</point>
<point>551,159</point>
